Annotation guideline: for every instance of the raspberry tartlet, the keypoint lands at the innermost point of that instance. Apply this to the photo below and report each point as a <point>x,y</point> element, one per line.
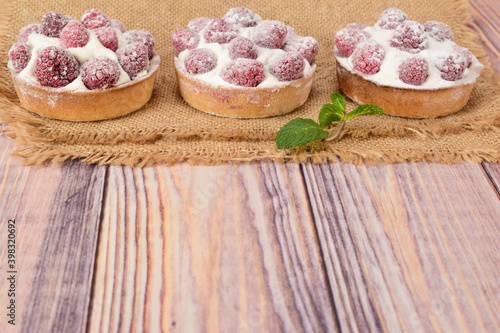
<point>83,70</point>
<point>409,69</point>
<point>241,66</point>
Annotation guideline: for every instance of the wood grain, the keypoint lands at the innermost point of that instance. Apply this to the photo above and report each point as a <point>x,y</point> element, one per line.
<point>486,23</point>
<point>493,172</point>
<point>218,249</point>
<point>57,211</point>
<point>409,247</point>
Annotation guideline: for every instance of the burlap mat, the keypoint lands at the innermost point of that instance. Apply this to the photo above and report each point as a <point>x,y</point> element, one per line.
<point>168,130</point>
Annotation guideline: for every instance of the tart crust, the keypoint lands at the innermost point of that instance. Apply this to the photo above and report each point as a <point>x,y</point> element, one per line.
<point>89,105</point>
<point>243,102</point>
<point>411,103</point>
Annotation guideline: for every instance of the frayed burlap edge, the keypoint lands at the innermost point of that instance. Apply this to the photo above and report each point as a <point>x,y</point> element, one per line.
<point>48,154</point>
<point>34,139</point>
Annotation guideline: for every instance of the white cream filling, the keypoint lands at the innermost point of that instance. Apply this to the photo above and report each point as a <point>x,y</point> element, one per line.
<point>222,53</point>
<point>389,72</point>
<point>93,48</point>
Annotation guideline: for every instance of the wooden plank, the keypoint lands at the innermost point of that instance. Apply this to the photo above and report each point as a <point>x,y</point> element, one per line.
<point>216,249</point>
<point>56,212</point>
<point>409,247</point>
<point>486,23</point>
<point>493,172</point>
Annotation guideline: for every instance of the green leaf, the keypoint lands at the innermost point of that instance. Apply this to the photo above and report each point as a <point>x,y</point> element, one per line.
<point>299,132</point>
<point>328,114</point>
<point>364,110</point>
<point>338,100</point>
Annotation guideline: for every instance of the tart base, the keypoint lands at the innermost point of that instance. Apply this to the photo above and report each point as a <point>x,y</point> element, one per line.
<point>410,103</point>
<point>243,102</point>
<point>89,105</point>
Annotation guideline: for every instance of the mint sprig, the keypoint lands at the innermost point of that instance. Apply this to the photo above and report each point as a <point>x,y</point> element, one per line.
<point>332,117</point>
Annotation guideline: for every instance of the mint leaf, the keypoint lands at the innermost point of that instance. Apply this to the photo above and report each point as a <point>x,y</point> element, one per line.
<point>364,110</point>
<point>329,113</point>
<point>338,100</point>
<point>299,132</point>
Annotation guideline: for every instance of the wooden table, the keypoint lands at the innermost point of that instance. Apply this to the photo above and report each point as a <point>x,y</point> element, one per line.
<point>262,247</point>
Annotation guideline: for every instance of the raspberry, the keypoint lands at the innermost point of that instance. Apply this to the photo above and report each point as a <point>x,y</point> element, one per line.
<point>391,18</point>
<point>219,31</point>
<point>269,34</point>
<point>19,55</point>
<point>410,37</point>
<point>347,39</point>
<point>198,23</point>
<point>438,30</point>
<point>243,72</point>
<point>114,23</point>
<point>242,17</point>
<point>55,67</point>
<point>287,66</point>
<point>199,61</point>
<point>52,23</point>
<point>26,31</point>
<point>142,36</point>
<point>108,37</point>
<point>74,34</point>
<point>242,47</point>
<point>452,67</point>
<point>94,18</point>
<point>100,72</point>
<point>307,46</point>
<point>367,57</point>
<point>414,70</point>
<point>133,58</point>
<point>356,26</point>
<point>464,52</point>
<point>184,39</point>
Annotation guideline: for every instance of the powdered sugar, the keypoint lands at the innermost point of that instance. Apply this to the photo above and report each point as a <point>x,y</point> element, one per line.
<point>389,73</point>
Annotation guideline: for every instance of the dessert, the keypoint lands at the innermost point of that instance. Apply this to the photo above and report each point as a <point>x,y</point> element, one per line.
<point>407,68</point>
<point>241,66</point>
<point>83,70</point>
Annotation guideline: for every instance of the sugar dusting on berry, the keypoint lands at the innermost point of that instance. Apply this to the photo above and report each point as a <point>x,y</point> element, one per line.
<point>346,40</point>
<point>391,18</point>
<point>243,72</point>
<point>465,53</point>
<point>199,61</point>
<point>52,23</point>
<point>100,72</point>
<point>269,34</point>
<point>133,58</point>
<point>142,36</point>
<point>308,47</point>
<point>414,70</point>
<point>242,16</point>
<point>55,67</point>
<point>74,34</point>
<point>356,26</point>
<point>114,23</point>
<point>220,31</point>
<point>438,30</point>
<point>367,57</point>
<point>94,18</point>
<point>287,66</point>
<point>108,37</point>
<point>26,31</point>
<point>197,24</point>
<point>184,39</point>
<point>410,36</point>
<point>452,66</point>
<point>19,55</point>
<point>242,47</point>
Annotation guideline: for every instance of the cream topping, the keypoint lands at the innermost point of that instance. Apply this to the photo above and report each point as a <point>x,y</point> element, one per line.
<point>93,48</point>
<point>222,53</point>
<point>389,73</point>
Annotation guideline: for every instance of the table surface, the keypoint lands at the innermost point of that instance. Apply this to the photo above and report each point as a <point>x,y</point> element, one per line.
<point>264,247</point>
